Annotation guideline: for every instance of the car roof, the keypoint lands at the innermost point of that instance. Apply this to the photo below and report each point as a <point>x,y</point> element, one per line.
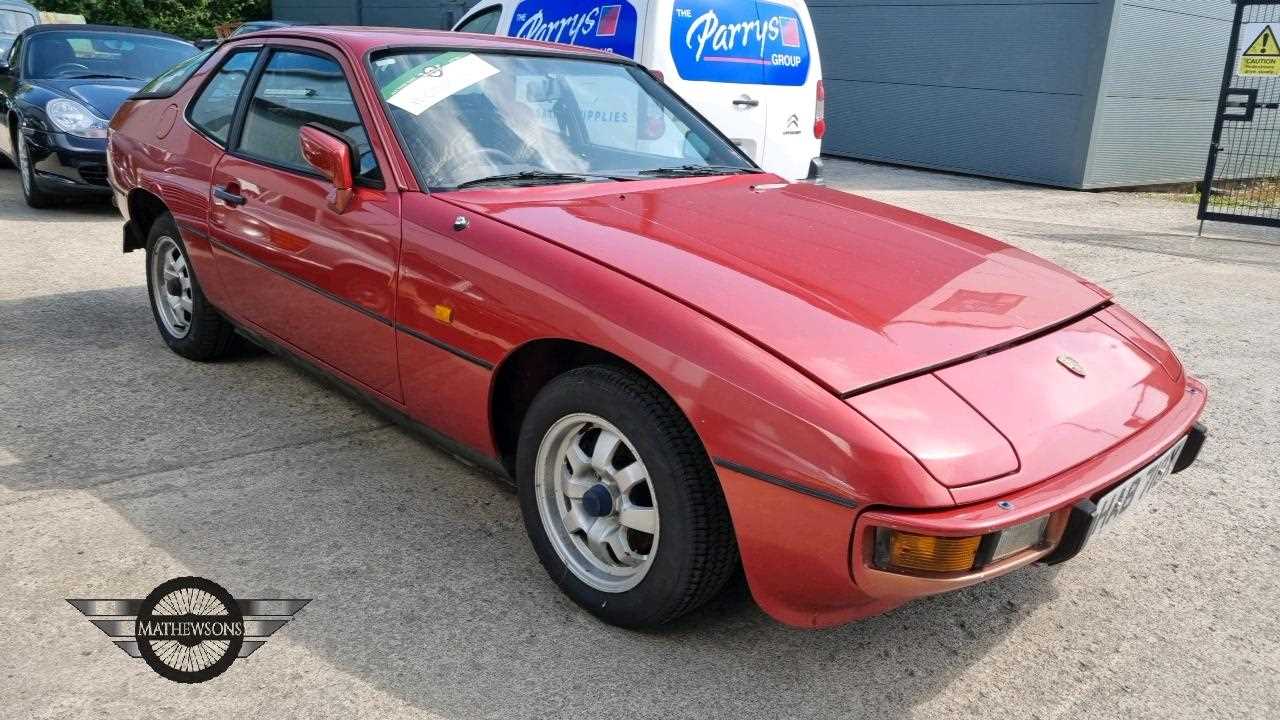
<point>19,5</point>
<point>81,27</point>
<point>361,40</point>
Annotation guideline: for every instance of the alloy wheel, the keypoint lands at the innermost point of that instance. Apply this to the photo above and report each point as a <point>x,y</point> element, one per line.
<point>597,502</point>
<point>171,286</point>
<point>24,163</point>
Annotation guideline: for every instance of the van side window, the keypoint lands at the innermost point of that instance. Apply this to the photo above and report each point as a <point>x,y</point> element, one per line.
<point>297,89</point>
<point>485,23</point>
<point>214,110</point>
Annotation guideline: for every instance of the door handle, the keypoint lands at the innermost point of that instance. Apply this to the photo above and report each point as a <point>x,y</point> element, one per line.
<point>227,196</point>
<point>746,102</point>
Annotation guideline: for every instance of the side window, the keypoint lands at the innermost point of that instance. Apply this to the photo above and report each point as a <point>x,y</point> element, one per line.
<point>485,23</point>
<point>214,110</point>
<point>168,82</point>
<point>297,89</point>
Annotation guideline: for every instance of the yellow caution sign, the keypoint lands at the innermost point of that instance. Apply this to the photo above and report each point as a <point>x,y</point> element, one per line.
<point>1262,56</point>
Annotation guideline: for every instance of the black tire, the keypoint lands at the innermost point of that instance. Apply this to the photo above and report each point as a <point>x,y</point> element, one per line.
<point>31,192</point>
<point>209,336</point>
<point>696,553</point>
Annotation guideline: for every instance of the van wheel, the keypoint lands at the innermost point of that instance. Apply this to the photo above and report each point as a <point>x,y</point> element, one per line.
<point>620,500</point>
<point>190,326</point>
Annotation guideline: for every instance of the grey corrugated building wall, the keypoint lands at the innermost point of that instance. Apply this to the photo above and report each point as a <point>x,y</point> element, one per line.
<point>398,13</point>
<point>1083,93</point>
<point>1075,93</point>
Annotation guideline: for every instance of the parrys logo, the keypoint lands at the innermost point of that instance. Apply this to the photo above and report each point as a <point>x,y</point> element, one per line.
<point>189,629</point>
<point>609,26</point>
<point>739,42</point>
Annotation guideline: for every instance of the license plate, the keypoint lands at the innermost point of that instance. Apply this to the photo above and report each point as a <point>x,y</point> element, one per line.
<point>1131,491</point>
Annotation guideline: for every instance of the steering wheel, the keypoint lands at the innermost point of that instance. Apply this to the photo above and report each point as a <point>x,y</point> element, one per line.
<point>64,67</point>
<point>460,160</point>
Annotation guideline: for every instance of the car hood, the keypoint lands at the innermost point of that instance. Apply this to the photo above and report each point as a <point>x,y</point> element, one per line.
<point>850,291</point>
<point>103,95</point>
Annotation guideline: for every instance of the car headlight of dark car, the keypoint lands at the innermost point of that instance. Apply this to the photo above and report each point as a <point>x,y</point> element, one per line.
<point>73,118</point>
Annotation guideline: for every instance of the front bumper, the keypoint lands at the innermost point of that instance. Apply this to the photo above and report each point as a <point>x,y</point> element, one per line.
<point>811,563</point>
<point>1066,499</point>
<point>69,165</point>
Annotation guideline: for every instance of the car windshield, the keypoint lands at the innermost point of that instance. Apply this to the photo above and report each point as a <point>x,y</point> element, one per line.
<point>469,119</point>
<point>13,21</point>
<point>94,54</point>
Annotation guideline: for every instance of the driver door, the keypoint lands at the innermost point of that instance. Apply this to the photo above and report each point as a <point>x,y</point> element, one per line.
<point>320,280</point>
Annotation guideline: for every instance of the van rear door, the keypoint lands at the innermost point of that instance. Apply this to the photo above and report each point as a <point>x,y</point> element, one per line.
<point>792,76</point>
<point>745,66</point>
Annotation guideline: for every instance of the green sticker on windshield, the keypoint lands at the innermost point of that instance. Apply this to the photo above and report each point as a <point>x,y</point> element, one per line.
<point>430,82</point>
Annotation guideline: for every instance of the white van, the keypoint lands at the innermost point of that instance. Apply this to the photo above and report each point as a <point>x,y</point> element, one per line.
<point>751,67</point>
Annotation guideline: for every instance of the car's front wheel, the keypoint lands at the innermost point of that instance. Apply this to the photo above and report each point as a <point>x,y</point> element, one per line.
<point>190,326</point>
<point>620,500</point>
<point>31,192</point>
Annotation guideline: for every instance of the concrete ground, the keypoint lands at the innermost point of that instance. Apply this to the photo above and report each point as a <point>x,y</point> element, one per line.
<point>122,465</point>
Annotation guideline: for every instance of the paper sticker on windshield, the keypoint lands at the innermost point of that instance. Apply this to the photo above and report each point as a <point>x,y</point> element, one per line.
<point>422,87</point>
<point>598,24</point>
<point>739,42</point>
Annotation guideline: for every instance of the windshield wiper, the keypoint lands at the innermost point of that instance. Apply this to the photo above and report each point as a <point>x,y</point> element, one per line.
<point>698,170</point>
<point>537,177</point>
<point>101,76</point>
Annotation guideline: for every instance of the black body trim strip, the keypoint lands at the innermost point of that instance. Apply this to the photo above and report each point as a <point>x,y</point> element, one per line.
<point>783,482</point>
<point>981,353</point>
<point>446,347</point>
<point>459,352</point>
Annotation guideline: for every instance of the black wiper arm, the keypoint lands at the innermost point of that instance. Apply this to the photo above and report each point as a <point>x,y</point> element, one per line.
<point>696,170</point>
<point>537,176</point>
<point>102,76</point>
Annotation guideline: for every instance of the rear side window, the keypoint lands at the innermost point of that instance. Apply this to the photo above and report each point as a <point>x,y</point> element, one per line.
<point>297,89</point>
<point>732,41</point>
<point>485,23</point>
<point>215,108</point>
<point>168,82</point>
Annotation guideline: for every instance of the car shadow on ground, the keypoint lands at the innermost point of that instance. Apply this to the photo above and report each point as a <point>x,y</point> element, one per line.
<point>256,475</point>
<point>74,209</point>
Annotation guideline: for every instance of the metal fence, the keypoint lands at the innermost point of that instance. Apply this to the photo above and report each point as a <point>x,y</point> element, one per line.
<point>1242,177</point>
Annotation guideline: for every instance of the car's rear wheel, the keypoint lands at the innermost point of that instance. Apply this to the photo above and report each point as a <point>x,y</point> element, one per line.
<point>190,326</point>
<point>31,192</point>
<point>620,500</point>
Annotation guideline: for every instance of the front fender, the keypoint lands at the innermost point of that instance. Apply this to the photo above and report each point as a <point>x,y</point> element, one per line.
<point>795,461</point>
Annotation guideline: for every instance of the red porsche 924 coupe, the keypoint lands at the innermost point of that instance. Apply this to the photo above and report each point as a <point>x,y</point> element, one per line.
<point>551,265</point>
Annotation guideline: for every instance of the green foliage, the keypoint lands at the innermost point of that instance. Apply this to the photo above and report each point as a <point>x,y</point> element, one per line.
<point>190,19</point>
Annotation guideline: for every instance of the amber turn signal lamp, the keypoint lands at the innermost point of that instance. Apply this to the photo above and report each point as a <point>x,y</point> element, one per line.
<point>925,553</point>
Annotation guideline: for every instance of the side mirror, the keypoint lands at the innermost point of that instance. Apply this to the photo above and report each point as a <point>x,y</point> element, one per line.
<point>4,67</point>
<point>330,155</point>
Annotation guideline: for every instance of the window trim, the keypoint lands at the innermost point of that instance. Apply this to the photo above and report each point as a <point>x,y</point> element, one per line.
<point>234,149</point>
<point>208,79</point>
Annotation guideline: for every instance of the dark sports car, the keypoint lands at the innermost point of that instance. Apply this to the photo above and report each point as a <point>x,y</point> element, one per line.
<point>59,87</point>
